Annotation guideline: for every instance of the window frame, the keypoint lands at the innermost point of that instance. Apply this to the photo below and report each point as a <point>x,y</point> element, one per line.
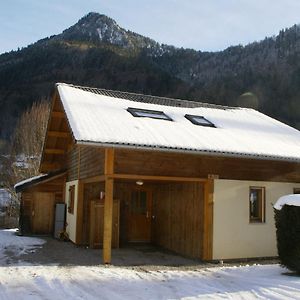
<point>262,217</point>
<point>191,118</point>
<point>134,112</point>
<point>71,199</point>
<point>296,190</point>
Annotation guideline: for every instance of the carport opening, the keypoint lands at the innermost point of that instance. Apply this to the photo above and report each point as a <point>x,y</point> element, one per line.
<point>168,215</point>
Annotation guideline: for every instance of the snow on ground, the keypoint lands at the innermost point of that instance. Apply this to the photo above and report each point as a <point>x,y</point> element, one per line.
<point>23,281</point>
<point>98,282</point>
<point>16,245</point>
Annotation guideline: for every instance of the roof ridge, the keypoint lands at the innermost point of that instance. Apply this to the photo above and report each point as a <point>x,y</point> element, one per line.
<point>137,97</point>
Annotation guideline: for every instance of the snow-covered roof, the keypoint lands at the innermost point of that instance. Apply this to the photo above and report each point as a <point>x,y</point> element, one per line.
<point>100,118</point>
<point>29,180</point>
<point>293,200</point>
<point>37,179</point>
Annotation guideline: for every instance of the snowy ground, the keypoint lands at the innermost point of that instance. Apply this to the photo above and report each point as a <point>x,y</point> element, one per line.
<point>16,245</point>
<point>25,281</point>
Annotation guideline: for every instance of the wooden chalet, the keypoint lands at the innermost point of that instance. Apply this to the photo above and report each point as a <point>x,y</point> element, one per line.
<point>194,178</point>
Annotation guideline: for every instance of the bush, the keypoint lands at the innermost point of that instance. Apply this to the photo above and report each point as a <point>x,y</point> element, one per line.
<point>287,222</point>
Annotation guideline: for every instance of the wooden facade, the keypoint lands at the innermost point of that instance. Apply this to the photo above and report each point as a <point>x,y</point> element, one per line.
<point>178,217</point>
<point>173,206</point>
<point>38,204</point>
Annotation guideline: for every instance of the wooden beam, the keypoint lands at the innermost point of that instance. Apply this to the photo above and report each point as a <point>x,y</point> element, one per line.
<point>108,205</point>
<point>207,253</point>
<point>79,219</point>
<point>109,161</point>
<point>57,114</point>
<point>49,166</point>
<point>99,178</point>
<point>157,178</point>
<point>58,134</point>
<point>54,151</point>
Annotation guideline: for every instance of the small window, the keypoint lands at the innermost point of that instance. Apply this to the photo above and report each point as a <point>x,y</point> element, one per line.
<point>71,199</point>
<point>296,190</point>
<point>199,120</point>
<point>138,202</point>
<point>257,204</point>
<point>154,114</point>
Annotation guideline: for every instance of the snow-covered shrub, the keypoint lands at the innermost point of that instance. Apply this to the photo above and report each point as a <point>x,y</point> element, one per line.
<point>287,221</point>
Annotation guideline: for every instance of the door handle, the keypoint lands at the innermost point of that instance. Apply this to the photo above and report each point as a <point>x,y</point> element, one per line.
<point>147,215</point>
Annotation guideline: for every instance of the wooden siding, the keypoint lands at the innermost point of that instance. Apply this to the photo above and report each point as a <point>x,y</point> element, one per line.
<point>96,220</point>
<point>85,162</point>
<point>55,187</point>
<point>178,217</point>
<point>91,162</point>
<point>26,211</point>
<point>73,163</point>
<point>195,165</point>
<point>122,192</point>
<point>43,213</point>
<point>91,193</point>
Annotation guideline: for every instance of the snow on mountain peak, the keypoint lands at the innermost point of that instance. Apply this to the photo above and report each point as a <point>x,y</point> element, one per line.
<point>97,28</point>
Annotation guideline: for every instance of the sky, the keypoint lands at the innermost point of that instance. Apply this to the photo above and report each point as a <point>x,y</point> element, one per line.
<point>207,25</point>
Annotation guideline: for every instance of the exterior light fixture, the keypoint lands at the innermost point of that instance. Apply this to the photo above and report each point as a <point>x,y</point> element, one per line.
<point>139,182</point>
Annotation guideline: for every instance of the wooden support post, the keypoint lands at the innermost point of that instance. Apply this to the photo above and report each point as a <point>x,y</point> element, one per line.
<point>108,205</point>
<point>208,220</point>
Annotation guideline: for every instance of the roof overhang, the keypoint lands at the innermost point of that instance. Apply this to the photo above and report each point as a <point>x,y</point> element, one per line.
<point>189,151</point>
<point>36,180</point>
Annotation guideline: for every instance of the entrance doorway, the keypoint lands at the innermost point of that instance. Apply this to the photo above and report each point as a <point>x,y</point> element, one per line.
<point>139,215</point>
<point>43,213</point>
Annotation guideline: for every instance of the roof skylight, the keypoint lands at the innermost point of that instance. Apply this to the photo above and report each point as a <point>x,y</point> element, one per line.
<point>199,120</point>
<point>154,114</point>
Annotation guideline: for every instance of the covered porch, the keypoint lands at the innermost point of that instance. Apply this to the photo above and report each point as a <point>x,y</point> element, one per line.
<point>175,213</point>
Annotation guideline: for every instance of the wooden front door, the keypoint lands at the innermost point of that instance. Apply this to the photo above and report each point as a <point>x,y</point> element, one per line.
<point>43,213</point>
<point>139,216</point>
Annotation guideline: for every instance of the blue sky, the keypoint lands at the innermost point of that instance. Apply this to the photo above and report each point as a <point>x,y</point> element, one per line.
<point>203,25</point>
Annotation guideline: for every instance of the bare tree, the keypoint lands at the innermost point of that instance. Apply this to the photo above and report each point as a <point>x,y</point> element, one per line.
<point>26,148</point>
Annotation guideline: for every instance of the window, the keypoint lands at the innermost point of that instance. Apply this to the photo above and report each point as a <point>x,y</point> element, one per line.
<point>71,199</point>
<point>199,120</point>
<point>257,204</point>
<point>154,114</point>
<point>138,203</point>
<point>296,190</point>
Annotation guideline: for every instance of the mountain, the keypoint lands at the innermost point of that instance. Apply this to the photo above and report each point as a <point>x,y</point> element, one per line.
<point>97,52</point>
<point>98,29</point>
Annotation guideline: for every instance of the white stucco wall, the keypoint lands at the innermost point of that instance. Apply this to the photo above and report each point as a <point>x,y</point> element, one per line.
<point>71,218</point>
<point>233,235</point>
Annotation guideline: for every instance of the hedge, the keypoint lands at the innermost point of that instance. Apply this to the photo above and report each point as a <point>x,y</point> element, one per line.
<point>287,222</point>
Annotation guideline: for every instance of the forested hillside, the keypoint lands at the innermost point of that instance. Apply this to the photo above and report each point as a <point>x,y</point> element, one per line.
<point>98,52</point>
